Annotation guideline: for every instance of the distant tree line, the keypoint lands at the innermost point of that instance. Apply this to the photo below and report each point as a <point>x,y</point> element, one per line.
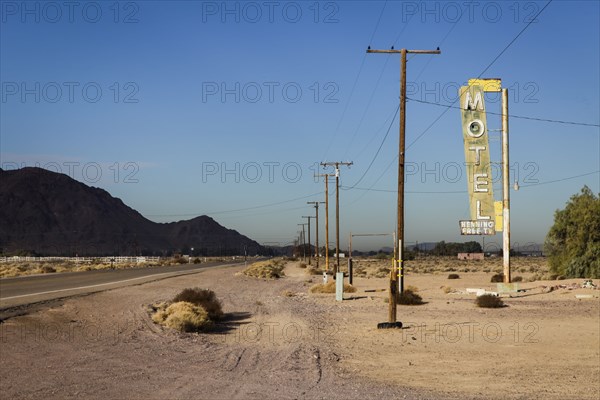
<point>453,248</point>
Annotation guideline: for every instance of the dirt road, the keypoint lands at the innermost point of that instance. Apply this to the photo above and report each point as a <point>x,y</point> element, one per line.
<point>273,345</point>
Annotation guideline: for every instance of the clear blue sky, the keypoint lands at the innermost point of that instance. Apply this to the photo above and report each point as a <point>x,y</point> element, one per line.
<point>156,101</point>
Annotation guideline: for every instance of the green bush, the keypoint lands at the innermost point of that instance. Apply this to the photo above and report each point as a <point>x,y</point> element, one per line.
<point>573,242</point>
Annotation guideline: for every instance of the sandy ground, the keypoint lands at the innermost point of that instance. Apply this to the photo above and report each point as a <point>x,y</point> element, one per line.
<point>105,346</point>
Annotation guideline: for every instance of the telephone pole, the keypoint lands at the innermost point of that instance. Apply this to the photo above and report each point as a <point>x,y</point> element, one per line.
<point>309,252</point>
<point>302,233</point>
<point>326,219</point>
<point>316,203</point>
<point>401,158</point>
<point>337,208</point>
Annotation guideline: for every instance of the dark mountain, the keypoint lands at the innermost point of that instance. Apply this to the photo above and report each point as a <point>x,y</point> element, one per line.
<point>48,213</point>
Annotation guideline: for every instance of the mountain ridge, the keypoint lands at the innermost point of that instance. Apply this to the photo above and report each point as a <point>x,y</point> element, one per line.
<point>44,212</point>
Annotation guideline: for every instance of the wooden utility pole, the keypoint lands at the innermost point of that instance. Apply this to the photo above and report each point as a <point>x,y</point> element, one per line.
<point>316,203</point>
<point>401,158</point>
<point>309,252</point>
<point>326,219</point>
<point>303,234</point>
<point>505,190</point>
<point>337,208</point>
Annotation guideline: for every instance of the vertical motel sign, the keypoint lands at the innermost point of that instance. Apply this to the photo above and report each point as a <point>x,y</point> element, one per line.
<point>477,156</point>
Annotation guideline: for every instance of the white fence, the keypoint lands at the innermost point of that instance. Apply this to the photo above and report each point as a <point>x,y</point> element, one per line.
<point>115,259</point>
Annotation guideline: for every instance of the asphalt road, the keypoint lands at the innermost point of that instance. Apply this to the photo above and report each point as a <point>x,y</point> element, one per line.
<point>39,288</point>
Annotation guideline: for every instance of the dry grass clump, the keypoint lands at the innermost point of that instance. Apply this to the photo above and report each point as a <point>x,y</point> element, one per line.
<point>497,278</point>
<point>271,269</point>
<point>288,293</point>
<point>517,279</point>
<point>205,298</point>
<point>314,271</point>
<point>381,272</point>
<point>329,287</point>
<point>46,269</point>
<point>191,310</point>
<point>302,265</point>
<point>184,317</point>
<point>359,270</point>
<point>409,298</point>
<point>453,276</point>
<point>489,301</point>
<point>448,289</point>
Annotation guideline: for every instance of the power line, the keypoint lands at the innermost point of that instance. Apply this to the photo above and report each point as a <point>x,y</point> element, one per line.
<point>515,38</point>
<point>562,179</point>
<point>236,210</point>
<point>407,191</point>
<point>511,115</point>
<point>337,128</point>
<point>464,191</point>
<point>482,72</point>
<point>379,149</point>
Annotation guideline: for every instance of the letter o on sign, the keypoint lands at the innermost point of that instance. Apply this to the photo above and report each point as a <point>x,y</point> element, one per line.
<point>476,128</point>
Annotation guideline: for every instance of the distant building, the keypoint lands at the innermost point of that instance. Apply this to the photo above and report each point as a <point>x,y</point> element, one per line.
<point>470,256</point>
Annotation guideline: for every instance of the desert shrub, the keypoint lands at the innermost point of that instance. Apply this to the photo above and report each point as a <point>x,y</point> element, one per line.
<point>486,270</point>
<point>517,279</point>
<point>453,276</point>
<point>382,272</point>
<point>489,301</point>
<point>533,268</point>
<point>329,287</point>
<point>409,298</point>
<point>448,289</point>
<point>197,260</point>
<point>411,288</point>
<point>497,278</point>
<point>302,265</point>
<point>359,271</point>
<point>184,317</point>
<point>288,293</point>
<point>265,270</point>
<point>205,298</point>
<point>314,271</point>
<point>533,278</point>
<point>46,269</point>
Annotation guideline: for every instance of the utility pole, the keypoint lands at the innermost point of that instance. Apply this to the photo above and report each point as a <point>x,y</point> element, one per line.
<point>401,158</point>
<point>337,208</point>
<point>326,219</point>
<point>316,203</point>
<point>303,234</point>
<point>505,190</point>
<point>309,252</point>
